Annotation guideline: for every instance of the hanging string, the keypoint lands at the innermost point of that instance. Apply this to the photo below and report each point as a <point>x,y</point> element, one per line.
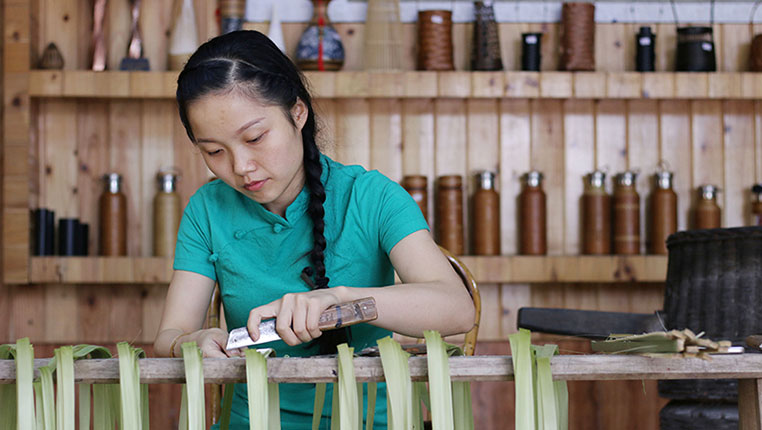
<point>578,37</point>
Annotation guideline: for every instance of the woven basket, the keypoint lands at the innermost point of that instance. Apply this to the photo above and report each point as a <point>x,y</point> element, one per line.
<point>714,285</point>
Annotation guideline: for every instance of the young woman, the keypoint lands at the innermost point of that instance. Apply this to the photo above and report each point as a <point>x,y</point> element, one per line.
<point>288,232</point>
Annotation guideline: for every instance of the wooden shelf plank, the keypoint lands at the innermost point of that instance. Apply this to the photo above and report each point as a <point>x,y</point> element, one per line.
<point>487,269</point>
<point>418,84</point>
<point>369,369</point>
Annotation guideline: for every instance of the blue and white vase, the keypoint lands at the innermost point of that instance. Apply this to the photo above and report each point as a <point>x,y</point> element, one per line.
<point>320,38</point>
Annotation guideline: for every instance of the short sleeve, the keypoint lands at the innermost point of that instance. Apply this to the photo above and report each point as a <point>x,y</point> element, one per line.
<point>397,214</point>
<point>193,252</point>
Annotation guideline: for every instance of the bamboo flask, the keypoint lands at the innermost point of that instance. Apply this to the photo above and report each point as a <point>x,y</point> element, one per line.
<point>708,213</point>
<point>166,216</point>
<point>417,187</point>
<point>113,217</point>
<point>532,216</point>
<point>663,213</point>
<point>486,222</point>
<point>626,214</point>
<point>596,215</point>
<point>449,214</point>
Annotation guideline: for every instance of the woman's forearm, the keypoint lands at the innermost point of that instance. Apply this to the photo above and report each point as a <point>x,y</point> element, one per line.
<point>173,338</point>
<point>409,309</point>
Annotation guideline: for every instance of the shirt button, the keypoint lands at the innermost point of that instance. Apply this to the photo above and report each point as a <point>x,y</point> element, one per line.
<point>239,234</point>
<point>277,228</point>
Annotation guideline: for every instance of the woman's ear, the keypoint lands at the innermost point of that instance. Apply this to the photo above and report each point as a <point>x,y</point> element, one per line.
<point>299,113</point>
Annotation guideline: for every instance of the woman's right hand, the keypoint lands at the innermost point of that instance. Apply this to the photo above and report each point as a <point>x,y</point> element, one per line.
<point>212,342</point>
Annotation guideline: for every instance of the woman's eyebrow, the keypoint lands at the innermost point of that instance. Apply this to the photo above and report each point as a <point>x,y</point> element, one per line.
<point>248,124</point>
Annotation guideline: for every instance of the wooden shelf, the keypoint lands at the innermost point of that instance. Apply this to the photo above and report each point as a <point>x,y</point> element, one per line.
<point>554,85</point>
<point>498,269</point>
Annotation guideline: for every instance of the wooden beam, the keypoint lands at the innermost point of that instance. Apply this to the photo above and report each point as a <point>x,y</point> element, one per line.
<point>476,368</point>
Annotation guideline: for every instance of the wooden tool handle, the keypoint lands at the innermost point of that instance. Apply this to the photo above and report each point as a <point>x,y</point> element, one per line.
<point>349,313</point>
<point>754,341</point>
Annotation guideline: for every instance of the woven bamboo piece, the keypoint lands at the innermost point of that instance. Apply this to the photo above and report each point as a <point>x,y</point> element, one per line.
<point>383,36</point>
<point>435,51</point>
<point>577,37</point>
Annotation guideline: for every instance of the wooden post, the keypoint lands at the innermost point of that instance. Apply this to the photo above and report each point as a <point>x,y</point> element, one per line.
<point>749,404</point>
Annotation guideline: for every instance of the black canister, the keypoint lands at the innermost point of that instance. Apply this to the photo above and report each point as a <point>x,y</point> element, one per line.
<point>646,45</point>
<point>43,241</point>
<point>530,51</point>
<point>68,232</point>
<point>83,238</point>
<point>695,50</point>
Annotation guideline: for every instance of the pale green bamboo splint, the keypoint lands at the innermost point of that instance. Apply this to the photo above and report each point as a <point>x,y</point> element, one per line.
<point>399,391</point>
<point>133,396</point>
<point>23,416</point>
<point>264,403</point>
<point>194,386</point>
<point>347,387</point>
<point>440,389</point>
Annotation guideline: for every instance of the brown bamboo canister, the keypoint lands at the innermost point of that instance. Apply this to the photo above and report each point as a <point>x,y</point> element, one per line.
<point>449,213</point>
<point>166,215</point>
<point>663,213</point>
<point>486,215</point>
<point>626,214</point>
<point>596,215</point>
<point>435,47</point>
<point>708,213</point>
<point>577,38</point>
<point>417,187</point>
<point>113,217</point>
<point>756,204</point>
<point>532,215</point>
<point>755,54</point>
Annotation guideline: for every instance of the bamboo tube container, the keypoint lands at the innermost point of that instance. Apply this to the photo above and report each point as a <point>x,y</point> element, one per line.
<point>626,214</point>
<point>183,37</point>
<point>756,204</point>
<point>596,215</point>
<point>449,215</point>
<point>166,216</point>
<point>663,213</point>
<point>532,216</point>
<point>417,187</point>
<point>486,221</point>
<point>708,213</point>
<point>113,217</point>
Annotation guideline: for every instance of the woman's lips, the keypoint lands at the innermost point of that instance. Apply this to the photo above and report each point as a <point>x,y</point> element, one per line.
<point>255,186</point>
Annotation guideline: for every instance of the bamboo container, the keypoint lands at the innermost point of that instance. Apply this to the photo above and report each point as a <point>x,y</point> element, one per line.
<point>708,213</point>
<point>596,215</point>
<point>532,216</point>
<point>113,217</point>
<point>449,213</point>
<point>486,211</point>
<point>756,204</point>
<point>166,216</point>
<point>626,214</point>
<point>417,187</point>
<point>663,213</point>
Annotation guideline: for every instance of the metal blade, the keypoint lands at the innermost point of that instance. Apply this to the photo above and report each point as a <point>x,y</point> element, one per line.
<point>589,324</point>
<point>239,337</point>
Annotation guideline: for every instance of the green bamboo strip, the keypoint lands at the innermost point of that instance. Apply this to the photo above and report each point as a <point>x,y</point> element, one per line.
<point>420,395</point>
<point>440,389</point>
<point>371,411</point>
<point>256,381</point>
<point>65,400</point>
<point>335,407</point>
<point>227,406</point>
<point>194,377</point>
<point>317,410</point>
<point>347,386</point>
<point>522,374</point>
<point>463,413</point>
<point>23,409</point>
<point>84,406</point>
<point>129,384</point>
<point>183,419</point>
<point>48,399</point>
<point>273,400</point>
<point>399,391</point>
<point>38,419</point>
<point>105,406</point>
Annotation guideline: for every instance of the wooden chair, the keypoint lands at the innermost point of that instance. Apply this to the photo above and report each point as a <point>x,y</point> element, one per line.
<point>469,343</point>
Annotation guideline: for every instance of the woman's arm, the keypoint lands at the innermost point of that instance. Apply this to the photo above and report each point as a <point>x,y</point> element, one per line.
<point>184,312</point>
<point>431,297</point>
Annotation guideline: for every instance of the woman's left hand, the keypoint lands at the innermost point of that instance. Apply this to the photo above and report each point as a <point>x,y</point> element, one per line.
<point>296,314</point>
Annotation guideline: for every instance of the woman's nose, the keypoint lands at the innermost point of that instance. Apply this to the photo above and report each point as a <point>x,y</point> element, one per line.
<point>243,163</point>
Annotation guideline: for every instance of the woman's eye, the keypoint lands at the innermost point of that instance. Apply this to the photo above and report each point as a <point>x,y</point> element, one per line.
<point>214,152</point>
<point>256,139</point>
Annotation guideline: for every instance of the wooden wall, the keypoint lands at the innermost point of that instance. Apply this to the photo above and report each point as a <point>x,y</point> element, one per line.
<point>74,142</point>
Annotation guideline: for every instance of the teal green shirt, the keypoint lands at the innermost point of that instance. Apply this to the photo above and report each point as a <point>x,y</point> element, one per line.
<point>257,256</point>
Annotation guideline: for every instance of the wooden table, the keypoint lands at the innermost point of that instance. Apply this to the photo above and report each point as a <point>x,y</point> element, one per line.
<point>747,368</point>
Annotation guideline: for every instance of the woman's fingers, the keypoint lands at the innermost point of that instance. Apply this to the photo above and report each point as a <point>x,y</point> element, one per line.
<point>256,316</point>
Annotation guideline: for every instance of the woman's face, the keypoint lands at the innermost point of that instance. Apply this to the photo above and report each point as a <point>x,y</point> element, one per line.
<point>252,147</point>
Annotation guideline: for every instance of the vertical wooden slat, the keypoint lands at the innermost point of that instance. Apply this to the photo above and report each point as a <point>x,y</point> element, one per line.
<point>156,154</point>
<point>60,27</point>
<point>675,147</point>
<point>93,161</point>
<point>418,144</point>
<point>386,138</point>
<point>60,306</point>
<point>738,129</point>
<point>155,21</point>
<point>515,141</point>
<point>325,110</point>
<point>353,132</point>
<point>611,136</point>
<point>188,160</point>
<point>117,30</point>
<point>510,44</point>
<point>450,153</point>
<point>153,304</point>
<point>547,156</point>
<point>26,320</point>
<point>613,47</point>
<point>735,48</point>
<point>126,155</point>
<point>579,136</point>
<point>643,154</point>
<point>666,42</point>
<point>95,302</point>
<point>707,160</point>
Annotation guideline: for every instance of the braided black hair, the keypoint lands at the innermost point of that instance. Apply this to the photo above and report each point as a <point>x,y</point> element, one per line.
<point>248,61</point>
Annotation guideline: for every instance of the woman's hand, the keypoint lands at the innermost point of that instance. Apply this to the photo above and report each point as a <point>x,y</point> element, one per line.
<point>296,314</point>
<point>212,344</point>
